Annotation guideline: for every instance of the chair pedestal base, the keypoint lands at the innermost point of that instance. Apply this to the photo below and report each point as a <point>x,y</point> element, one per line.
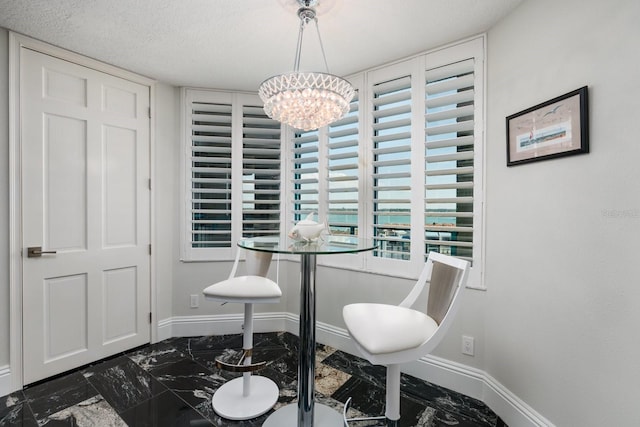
<point>229,403</point>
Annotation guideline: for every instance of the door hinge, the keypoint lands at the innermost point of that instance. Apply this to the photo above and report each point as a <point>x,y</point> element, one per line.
<point>149,317</point>
<point>149,183</point>
<point>149,248</point>
<point>149,110</point>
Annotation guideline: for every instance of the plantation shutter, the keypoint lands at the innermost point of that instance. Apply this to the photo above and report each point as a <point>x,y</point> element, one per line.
<point>211,184</point>
<point>391,151</point>
<point>343,173</point>
<point>305,174</point>
<point>449,159</point>
<point>261,163</point>
<point>233,173</point>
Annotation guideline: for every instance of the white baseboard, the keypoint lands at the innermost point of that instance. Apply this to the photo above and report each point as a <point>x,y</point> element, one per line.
<point>513,411</point>
<point>461,378</point>
<point>192,326</point>
<point>164,329</point>
<point>454,376</point>
<point>5,380</point>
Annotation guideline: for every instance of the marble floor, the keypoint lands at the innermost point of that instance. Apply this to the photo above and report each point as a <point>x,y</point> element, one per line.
<point>171,383</point>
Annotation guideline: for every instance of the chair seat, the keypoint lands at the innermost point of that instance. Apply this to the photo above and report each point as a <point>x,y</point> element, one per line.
<point>383,328</point>
<point>245,289</point>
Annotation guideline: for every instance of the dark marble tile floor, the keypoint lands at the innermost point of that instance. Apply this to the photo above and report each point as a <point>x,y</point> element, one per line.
<point>170,384</point>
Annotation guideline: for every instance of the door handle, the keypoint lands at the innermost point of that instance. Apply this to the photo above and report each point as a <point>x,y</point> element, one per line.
<point>36,252</point>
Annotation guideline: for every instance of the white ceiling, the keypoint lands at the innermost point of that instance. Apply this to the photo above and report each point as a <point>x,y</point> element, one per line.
<point>236,44</point>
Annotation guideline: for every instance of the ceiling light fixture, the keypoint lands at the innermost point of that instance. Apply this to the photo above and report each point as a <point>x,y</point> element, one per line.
<point>306,100</point>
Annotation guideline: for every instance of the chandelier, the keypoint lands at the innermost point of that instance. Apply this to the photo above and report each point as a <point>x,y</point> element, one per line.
<point>306,100</point>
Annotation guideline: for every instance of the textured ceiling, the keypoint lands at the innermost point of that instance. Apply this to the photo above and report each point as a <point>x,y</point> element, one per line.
<point>235,44</point>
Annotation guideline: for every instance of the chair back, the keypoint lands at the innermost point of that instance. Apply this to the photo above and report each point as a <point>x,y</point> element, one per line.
<point>446,287</point>
<point>257,263</point>
<point>445,282</point>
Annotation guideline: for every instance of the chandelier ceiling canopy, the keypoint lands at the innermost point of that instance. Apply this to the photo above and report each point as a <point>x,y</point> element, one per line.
<point>306,100</point>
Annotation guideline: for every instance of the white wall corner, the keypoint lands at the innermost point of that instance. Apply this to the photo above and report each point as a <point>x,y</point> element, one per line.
<point>5,380</point>
<point>164,329</point>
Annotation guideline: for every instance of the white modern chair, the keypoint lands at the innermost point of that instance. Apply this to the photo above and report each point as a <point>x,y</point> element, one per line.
<point>394,334</point>
<point>248,396</point>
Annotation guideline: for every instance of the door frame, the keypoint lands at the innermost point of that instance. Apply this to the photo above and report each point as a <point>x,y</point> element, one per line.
<point>16,43</point>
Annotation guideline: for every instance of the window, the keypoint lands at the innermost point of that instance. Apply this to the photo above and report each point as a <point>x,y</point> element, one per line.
<point>391,174</point>
<point>232,172</point>
<point>343,179</point>
<point>305,184</point>
<point>404,167</point>
<point>449,159</point>
<point>260,173</point>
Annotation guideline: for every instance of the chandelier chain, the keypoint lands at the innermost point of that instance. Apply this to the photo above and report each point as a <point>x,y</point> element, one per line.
<point>324,57</point>
<point>307,100</point>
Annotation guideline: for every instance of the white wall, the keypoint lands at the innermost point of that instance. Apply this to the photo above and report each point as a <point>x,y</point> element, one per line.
<point>563,301</point>
<point>4,197</point>
<point>165,182</point>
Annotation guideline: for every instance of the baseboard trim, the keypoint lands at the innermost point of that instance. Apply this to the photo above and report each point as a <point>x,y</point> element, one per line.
<point>165,327</point>
<point>5,380</point>
<point>513,411</point>
<point>455,376</point>
<point>191,326</point>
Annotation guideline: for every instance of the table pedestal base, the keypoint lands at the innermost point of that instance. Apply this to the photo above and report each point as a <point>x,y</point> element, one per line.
<point>323,416</point>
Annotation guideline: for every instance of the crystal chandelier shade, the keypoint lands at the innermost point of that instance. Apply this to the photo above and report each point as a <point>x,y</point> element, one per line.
<point>306,100</point>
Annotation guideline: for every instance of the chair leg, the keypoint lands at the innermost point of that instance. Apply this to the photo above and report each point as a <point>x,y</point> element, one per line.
<point>392,411</point>
<point>247,347</point>
<point>244,365</point>
<point>249,396</point>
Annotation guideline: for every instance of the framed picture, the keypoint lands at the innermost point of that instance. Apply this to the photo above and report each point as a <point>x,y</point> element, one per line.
<point>556,128</point>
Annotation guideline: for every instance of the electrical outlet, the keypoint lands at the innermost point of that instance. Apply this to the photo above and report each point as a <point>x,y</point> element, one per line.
<point>194,301</point>
<point>467,345</point>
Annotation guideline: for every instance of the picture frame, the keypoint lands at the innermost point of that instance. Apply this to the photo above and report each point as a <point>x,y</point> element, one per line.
<point>555,128</point>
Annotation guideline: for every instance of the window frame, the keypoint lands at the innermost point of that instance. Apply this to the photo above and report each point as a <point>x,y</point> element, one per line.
<point>237,101</point>
<point>415,67</point>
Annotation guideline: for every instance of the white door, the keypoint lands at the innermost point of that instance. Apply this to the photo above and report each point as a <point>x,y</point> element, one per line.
<point>85,196</point>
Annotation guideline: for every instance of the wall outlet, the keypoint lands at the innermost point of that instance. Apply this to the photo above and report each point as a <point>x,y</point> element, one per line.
<point>194,301</point>
<point>467,345</point>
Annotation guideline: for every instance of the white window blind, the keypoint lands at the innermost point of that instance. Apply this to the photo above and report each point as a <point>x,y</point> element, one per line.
<point>232,170</point>
<point>305,189</point>
<point>343,166</point>
<point>391,178</point>
<point>260,173</point>
<point>449,159</point>
<point>210,175</point>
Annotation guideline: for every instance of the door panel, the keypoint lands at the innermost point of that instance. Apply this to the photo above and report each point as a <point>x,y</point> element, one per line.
<point>65,171</point>
<point>65,331</point>
<point>85,195</point>
<point>120,290</point>
<point>120,172</point>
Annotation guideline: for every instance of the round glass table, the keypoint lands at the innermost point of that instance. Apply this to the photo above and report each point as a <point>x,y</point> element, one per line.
<point>308,414</point>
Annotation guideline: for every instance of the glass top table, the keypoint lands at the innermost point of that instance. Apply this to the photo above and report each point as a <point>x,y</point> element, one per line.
<point>308,414</point>
<point>326,246</point>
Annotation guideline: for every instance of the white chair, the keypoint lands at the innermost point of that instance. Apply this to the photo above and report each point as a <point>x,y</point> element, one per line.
<point>394,334</point>
<point>248,396</point>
